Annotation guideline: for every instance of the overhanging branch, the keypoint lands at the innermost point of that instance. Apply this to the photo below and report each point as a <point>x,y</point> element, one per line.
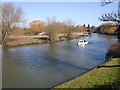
<point>110,17</point>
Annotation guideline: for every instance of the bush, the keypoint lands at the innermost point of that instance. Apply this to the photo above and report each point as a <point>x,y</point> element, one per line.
<point>107,28</point>
<point>113,51</point>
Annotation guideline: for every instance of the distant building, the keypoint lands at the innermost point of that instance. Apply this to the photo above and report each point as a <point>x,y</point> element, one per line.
<point>41,33</point>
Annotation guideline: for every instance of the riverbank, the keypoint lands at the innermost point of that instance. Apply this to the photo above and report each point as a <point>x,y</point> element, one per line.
<point>14,41</point>
<point>104,76</point>
<point>20,41</point>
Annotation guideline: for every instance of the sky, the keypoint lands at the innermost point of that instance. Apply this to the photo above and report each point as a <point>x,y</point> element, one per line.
<point>79,12</point>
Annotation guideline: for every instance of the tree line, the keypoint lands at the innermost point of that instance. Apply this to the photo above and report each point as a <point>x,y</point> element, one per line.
<point>109,28</point>
<point>12,18</point>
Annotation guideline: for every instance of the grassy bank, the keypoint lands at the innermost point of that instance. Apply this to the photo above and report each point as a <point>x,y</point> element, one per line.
<point>105,76</point>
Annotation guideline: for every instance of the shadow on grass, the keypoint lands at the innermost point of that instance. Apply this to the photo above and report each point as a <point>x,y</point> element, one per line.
<point>108,66</point>
<point>113,86</point>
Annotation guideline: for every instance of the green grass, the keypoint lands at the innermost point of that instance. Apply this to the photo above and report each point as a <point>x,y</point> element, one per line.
<point>105,76</point>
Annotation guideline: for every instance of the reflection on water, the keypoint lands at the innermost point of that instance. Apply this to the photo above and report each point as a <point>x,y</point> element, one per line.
<point>82,45</point>
<point>47,65</point>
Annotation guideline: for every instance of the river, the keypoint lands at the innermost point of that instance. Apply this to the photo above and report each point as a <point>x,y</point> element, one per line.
<point>47,65</point>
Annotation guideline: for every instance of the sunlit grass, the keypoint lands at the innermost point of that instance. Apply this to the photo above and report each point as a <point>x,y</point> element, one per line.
<point>105,76</point>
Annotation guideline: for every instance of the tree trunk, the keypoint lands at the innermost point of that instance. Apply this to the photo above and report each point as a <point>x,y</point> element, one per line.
<point>118,34</point>
<point>118,22</point>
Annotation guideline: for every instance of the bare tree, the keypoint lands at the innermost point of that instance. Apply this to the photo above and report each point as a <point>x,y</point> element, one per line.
<point>113,16</point>
<point>69,23</point>
<point>11,16</point>
<point>50,28</point>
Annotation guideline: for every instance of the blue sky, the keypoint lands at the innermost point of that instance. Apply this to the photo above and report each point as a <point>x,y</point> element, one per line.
<point>80,12</point>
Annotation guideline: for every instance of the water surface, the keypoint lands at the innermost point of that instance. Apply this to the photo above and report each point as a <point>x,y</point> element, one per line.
<point>47,65</point>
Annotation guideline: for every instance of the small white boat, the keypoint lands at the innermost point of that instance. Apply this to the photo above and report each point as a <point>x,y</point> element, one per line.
<point>82,42</point>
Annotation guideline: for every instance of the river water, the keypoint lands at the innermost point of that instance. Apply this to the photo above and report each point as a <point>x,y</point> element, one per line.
<point>47,65</point>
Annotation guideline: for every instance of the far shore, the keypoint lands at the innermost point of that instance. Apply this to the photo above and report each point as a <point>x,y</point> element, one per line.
<point>37,39</point>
